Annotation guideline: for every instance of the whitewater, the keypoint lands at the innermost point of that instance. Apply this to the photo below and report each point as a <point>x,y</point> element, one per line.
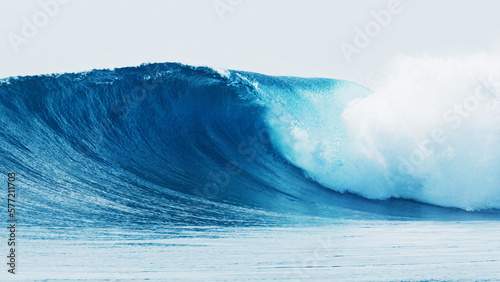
<point>429,133</point>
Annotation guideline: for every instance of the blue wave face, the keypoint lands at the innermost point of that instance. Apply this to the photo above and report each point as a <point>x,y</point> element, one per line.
<point>170,143</point>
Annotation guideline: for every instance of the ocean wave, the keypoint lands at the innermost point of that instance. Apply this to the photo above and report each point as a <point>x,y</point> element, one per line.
<point>175,143</point>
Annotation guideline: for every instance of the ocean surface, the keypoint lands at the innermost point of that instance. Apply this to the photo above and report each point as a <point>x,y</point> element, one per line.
<point>173,172</point>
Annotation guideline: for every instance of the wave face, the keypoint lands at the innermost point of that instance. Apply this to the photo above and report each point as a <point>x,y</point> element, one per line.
<point>180,144</point>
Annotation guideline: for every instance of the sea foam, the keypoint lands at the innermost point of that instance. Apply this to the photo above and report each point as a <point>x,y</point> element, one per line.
<point>430,132</point>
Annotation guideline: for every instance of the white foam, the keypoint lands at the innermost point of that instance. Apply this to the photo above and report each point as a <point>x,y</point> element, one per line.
<point>431,133</point>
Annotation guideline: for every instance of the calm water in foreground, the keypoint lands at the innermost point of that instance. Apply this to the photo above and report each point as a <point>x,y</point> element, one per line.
<point>345,250</point>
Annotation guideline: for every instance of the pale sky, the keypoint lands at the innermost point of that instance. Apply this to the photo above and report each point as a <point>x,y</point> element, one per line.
<point>278,37</point>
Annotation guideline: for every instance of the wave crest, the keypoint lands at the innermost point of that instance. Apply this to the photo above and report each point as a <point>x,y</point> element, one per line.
<point>430,133</point>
